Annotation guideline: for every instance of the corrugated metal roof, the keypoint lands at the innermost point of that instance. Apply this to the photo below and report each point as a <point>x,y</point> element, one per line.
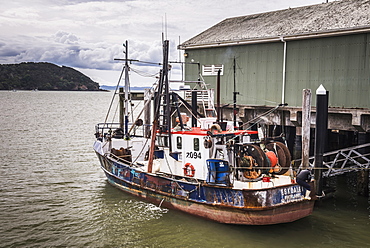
<point>327,18</point>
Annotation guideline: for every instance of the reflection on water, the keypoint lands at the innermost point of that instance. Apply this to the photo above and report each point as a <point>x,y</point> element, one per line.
<point>123,217</point>
<point>53,193</point>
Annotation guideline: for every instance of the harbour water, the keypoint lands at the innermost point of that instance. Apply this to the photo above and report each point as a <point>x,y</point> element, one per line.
<point>53,193</point>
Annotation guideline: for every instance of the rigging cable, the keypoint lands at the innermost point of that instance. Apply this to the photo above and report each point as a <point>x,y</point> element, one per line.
<point>256,118</point>
<point>260,116</point>
<point>143,73</point>
<point>115,92</point>
<point>142,110</point>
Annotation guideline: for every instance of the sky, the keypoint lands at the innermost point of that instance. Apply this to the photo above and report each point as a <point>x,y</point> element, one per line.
<point>88,35</point>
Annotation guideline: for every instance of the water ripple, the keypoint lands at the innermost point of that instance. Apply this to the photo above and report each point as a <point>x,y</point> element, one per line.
<point>53,193</point>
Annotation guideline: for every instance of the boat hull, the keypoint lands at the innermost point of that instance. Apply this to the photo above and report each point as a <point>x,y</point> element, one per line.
<point>221,204</point>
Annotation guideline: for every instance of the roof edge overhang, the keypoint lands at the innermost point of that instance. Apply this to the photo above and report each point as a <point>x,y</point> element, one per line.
<point>311,35</point>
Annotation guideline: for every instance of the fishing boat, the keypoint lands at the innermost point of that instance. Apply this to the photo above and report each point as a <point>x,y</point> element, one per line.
<point>181,156</point>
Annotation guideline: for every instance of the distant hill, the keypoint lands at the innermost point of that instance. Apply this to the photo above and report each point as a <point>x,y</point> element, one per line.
<point>134,88</point>
<point>43,76</point>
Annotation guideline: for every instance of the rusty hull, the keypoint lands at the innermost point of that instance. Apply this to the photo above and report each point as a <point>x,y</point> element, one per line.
<point>221,204</point>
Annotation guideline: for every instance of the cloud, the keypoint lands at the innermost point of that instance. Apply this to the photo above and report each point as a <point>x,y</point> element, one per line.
<point>65,48</point>
<point>22,13</point>
<point>88,34</point>
<point>65,38</point>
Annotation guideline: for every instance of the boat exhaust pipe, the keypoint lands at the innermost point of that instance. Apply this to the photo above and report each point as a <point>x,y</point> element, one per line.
<point>194,108</point>
<point>218,97</point>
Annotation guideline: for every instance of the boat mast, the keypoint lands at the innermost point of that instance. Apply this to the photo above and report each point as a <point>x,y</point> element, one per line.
<point>234,93</point>
<point>162,115</point>
<point>127,88</point>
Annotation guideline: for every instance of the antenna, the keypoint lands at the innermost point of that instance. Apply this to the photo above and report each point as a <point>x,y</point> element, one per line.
<point>181,64</point>
<point>164,27</point>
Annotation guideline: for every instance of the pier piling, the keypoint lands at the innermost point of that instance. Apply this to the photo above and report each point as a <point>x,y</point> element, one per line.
<point>322,97</point>
<point>306,123</point>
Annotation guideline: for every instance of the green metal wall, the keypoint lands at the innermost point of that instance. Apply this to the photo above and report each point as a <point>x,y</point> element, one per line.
<point>340,63</point>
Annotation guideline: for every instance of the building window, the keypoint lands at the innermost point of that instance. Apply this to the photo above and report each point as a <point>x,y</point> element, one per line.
<point>212,70</point>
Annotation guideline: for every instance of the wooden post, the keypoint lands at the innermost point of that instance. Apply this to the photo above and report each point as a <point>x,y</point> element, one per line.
<point>306,123</point>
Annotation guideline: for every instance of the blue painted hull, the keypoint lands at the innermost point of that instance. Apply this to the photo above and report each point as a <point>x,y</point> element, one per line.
<point>218,203</point>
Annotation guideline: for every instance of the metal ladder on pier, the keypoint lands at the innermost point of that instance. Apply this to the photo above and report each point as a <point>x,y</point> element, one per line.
<point>345,160</point>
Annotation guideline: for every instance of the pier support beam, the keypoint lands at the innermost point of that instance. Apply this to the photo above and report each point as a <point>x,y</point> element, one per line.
<point>322,97</point>
<point>363,183</point>
<point>306,124</point>
<point>297,152</point>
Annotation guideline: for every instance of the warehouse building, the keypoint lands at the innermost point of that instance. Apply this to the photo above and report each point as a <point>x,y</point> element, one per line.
<point>273,56</point>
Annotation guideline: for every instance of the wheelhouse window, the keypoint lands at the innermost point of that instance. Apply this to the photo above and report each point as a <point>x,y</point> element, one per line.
<point>179,142</point>
<point>196,144</point>
<point>162,141</point>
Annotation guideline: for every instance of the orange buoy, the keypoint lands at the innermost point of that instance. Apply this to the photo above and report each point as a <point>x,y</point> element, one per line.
<point>272,157</point>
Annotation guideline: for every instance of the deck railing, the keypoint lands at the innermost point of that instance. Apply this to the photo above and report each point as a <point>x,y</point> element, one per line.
<point>114,129</point>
